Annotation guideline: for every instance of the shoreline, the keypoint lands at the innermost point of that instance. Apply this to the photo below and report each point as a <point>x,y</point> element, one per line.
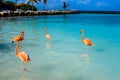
<point>34,13</point>
<point>52,12</point>
<point>99,12</point>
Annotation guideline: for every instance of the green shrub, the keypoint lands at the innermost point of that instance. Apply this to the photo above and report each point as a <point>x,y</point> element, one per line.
<point>9,5</point>
<point>26,7</point>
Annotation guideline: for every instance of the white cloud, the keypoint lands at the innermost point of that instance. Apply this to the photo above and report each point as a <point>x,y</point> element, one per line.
<point>101,3</point>
<point>84,1</point>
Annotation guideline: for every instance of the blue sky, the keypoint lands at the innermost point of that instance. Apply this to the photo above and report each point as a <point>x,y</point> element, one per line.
<point>113,5</point>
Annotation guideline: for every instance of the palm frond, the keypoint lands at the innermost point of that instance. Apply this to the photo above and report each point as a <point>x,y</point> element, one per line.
<point>35,1</point>
<point>45,1</point>
<point>28,2</point>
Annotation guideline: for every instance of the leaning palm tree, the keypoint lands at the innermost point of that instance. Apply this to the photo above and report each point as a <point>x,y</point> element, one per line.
<point>33,1</point>
<point>45,3</point>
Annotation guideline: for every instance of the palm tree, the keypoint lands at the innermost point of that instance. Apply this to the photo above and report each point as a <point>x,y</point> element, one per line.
<point>33,1</point>
<point>65,5</point>
<point>1,4</point>
<point>1,1</point>
<point>45,2</point>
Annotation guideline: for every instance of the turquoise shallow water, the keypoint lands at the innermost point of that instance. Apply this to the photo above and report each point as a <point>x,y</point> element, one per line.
<point>64,57</point>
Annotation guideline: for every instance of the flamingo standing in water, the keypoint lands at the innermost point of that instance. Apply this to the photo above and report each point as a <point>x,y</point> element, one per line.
<point>22,55</point>
<point>18,38</point>
<point>48,37</point>
<point>87,42</point>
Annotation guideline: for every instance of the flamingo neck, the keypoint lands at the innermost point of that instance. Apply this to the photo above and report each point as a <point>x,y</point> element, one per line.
<point>22,35</point>
<point>82,37</point>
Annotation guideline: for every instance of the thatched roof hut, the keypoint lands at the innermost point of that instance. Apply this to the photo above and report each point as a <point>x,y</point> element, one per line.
<point>20,5</point>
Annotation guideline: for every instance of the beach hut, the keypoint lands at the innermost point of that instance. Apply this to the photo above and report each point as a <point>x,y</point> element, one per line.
<point>20,5</point>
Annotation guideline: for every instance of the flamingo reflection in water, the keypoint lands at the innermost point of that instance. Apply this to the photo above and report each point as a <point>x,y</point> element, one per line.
<point>84,58</point>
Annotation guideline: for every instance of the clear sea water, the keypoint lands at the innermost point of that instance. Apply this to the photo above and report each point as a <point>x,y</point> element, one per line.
<point>64,57</point>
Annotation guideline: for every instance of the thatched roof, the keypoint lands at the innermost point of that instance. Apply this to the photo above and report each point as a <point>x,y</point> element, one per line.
<point>19,5</point>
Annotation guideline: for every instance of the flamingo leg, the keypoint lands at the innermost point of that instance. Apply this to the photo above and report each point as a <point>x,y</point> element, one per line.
<point>87,58</point>
<point>24,66</point>
<point>21,75</point>
<point>23,70</point>
<point>87,49</point>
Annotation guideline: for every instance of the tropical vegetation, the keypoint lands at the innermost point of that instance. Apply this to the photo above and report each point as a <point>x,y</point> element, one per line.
<point>1,4</point>
<point>25,7</point>
<point>33,1</point>
<point>12,6</point>
<point>7,5</point>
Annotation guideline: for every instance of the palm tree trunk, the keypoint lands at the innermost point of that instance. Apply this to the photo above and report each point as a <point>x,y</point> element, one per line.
<point>45,2</point>
<point>32,5</point>
<point>44,7</point>
<point>16,1</point>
